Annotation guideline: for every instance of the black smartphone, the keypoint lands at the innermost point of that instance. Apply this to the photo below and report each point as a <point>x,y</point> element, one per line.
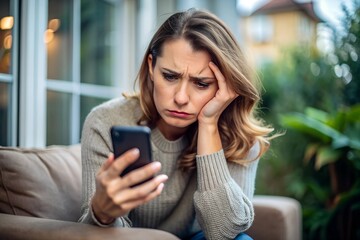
<point>127,137</point>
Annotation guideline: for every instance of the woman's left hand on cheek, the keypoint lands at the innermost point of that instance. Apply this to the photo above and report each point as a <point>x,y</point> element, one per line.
<point>211,112</point>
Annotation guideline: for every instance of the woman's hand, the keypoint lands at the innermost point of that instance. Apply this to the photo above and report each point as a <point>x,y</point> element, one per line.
<point>114,197</point>
<point>211,112</point>
<point>209,140</point>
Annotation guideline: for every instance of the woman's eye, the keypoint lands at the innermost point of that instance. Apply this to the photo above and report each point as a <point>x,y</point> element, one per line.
<point>201,84</point>
<point>170,77</point>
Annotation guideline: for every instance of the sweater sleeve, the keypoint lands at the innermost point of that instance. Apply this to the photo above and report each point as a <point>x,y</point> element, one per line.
<point>223,198</point>
<point>95,147</point>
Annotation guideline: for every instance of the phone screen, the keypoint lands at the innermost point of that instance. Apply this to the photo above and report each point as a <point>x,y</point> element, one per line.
<point>127,137</point>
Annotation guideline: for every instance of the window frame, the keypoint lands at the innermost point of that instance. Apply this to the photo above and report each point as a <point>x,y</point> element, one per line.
<point>29,98</point>
<point>28,83</point>
<point>32,74</point>
<point>12,79</point>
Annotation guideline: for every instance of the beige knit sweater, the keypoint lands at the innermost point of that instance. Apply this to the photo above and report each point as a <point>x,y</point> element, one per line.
<point>215,199</point>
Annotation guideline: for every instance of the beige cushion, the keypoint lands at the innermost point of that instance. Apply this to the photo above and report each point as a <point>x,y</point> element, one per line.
<point>41,182</point>
<point>276,218</point>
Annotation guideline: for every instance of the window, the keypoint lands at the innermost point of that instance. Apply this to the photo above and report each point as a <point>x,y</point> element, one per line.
<point>83,67</point>
<point>74,55</point>
<point>8,71</point>
<point>305,29</point>
<point>261,29</point>
<point>59,59</point>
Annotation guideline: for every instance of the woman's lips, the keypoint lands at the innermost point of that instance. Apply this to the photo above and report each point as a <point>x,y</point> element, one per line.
<point>178,114</point>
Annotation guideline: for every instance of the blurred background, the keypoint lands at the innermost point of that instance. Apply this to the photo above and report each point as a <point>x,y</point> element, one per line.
<point>59,59</point>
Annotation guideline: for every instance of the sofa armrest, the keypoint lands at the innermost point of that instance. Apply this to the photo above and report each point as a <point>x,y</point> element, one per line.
<point>21,227</point>
<point>277,218</point>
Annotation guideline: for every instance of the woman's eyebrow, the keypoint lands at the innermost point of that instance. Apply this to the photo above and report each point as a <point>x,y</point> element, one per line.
<point>191,77</point>
<point>201,78</point>
<point>171,71</point>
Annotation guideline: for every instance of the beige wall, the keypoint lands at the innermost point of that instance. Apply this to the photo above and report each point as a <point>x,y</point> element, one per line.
<point>287,31</point>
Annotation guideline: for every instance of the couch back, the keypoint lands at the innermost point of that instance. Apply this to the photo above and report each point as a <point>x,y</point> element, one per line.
<point>43,183</point>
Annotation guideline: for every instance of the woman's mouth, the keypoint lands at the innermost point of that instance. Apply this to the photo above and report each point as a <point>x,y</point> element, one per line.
<point>179,114</point>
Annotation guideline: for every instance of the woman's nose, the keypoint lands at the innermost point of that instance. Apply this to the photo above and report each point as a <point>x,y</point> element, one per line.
<point>181,95</point>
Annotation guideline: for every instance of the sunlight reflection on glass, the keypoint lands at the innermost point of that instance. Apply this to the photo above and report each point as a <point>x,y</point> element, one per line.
<point>7,23</point>
<point>49,35</point>
<point>54,24</point>
<point>8,42</point>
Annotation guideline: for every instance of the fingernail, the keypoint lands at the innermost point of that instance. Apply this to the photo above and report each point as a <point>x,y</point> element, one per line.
<point>135,151</point>
<point>156,165</point>
<point>164,177</point>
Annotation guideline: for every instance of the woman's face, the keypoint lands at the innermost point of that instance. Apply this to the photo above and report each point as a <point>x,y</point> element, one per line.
<point>183,84</point>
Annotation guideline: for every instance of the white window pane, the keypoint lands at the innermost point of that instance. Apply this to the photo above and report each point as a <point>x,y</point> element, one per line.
<point>58,118</point>
<point>261,29</point>
<point>58,38</point>
<point>6,36</point>
<point>86,104</point>
<point>4,113</point>
<point>101,37</point>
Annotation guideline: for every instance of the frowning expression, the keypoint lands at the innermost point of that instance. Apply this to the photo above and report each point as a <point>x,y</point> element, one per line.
<point>183,84</point>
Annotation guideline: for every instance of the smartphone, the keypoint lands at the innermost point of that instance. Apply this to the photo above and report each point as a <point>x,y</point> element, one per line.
<point>127,137</point>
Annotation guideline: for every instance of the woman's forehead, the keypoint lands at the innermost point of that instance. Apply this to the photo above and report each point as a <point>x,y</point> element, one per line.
<point>181,48</point>
<point>179,56</point>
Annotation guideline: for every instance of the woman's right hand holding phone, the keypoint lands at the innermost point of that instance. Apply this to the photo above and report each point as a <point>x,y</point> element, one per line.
<point>114,197</point>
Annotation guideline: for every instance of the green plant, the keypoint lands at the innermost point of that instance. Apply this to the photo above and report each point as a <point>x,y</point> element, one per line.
<point>334,151</point>
<point>317,160</point>
<point>300,78</point>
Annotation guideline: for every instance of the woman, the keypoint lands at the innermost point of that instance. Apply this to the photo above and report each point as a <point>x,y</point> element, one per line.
<point>199,98</point>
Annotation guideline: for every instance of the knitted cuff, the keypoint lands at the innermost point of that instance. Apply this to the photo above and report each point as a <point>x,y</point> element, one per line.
<point>212,171</point>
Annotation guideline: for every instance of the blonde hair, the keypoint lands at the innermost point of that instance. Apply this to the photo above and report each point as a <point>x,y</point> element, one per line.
<point>238,126</point>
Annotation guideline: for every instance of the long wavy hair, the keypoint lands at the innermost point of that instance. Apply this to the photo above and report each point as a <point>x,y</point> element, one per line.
<point>239,127</point>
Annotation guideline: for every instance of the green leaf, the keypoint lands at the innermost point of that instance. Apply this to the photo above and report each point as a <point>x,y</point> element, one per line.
<point>340,142</point>
<point>338,121</point>
<point>355,144</point>
<point>317,114</point>
<point>313,127</point>
<point>326,155</point>
<point>353,114</point>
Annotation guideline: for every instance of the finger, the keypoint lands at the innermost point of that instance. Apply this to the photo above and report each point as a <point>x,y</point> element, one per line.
<point>221,80</point>
<point>139,192</point>
<point>107,163</point>
<point>105,166</point>
<point>122,162</point>
<point>135,203</point>
<point>141,174</point>
<point>219,76</point>
<point>133,178</point>
<point>114,186</point>
<point>155,193</point>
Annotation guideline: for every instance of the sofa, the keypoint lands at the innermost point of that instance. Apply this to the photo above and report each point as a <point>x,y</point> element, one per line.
<point>40,198</point>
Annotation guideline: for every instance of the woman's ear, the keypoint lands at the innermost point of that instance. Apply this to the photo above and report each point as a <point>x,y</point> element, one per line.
<point>149,61</point>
